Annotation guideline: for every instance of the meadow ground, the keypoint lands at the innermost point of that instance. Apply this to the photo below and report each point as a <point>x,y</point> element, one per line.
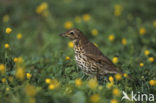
<point>37,66</point>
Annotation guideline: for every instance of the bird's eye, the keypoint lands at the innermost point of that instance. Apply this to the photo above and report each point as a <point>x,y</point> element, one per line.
<point>72,32</point>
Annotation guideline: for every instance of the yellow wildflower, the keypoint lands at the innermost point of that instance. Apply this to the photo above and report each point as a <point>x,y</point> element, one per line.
<point>78,82</point>
<point>28,75</point>
<point>142,31</point>
<point>3,80</point>
<point>141,64</point>
<point>94,32</point>
<point>86,17</point>
<point>41,8</point>
<point>77,19</point>
<point>48,80</point>
<point>67,58</point>
<point>7,89</point>
<point>95,98</point>
<point>154,23</point>
<point>146,52</point>
<point>117,10</point>
<point>20,60</point>
<point>109,85</point>
<point>115,60</point>
<point>2,68</point>
<point>151,59</point>
<point>5,18</point>
<point>116,92</point>
<point>68,25</point>
<point>15,59</point>
<point>8,30</point>
<point>92,83</point>
<point>30,90</point>
<point>70,44</point>
<point>124,41</point>
<point>152,82</point>
<point>113,101</point>
<point>6,45</point>
<point>20,73</point>
<point>111,37</point>
<point>19,36</point>
<point>51,87</point>
<point>111,79</point>
<point>125,75</point>
<point>32,100</point>
<point>118,76</point>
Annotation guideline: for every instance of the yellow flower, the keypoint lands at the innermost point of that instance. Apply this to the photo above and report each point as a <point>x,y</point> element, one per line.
<point>19,36</point>
<point>30,90</point>
<point>146,52</point>
<point>124,41</point>
<point>111,79</point>
<point>154,23</point>
<point>67,58</point>
<point>20,60</point>
<point>28,75</point>
<point>77,19</point>
<point>141,64</point>
<point>111,37</point>
<point>32,100</point>
<point>95,98</point>
<point>115,60</point>
<point>152,82</point>
<point>142,31</point>
<point>116,92</point>
<point>78,82</point>
<point>5,18</point>
<point>125,75</point>
<point>54,84</point>
<point>51,87</point>
<point>41,8</point>
<point>15,59</point>
<point>2,68</point>
<point>86,17</point>
<point>8,30</point>
<point>7,89</point>
<point>151,59</point>
<point>109,85</point>
<point>68,25</point>
<point>118,76</point>
<point>92,83</point>
<point>113,101</point>
<point>48,80</point>
<point>3,80</point>
<point>20,73</point>
<point>6,45</point>
<point>117,10</point>
<point>70,44</point>
<point>94,32</point>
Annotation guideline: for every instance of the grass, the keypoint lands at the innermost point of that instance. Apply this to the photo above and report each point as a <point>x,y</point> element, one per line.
<point>35,68</point>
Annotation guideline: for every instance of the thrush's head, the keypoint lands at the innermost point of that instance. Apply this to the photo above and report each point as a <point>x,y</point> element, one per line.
<point>72,34</point>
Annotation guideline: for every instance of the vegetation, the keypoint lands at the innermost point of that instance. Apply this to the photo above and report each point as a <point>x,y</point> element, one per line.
<point>37,65</point>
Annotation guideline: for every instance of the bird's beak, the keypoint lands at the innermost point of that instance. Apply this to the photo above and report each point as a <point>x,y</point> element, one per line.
<point>62,34</point>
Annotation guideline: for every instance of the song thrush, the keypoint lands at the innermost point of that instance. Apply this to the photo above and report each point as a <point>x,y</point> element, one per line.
<point>88,57</point>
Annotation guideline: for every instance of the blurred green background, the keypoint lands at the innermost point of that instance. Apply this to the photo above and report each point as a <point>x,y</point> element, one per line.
<point>124,29</point>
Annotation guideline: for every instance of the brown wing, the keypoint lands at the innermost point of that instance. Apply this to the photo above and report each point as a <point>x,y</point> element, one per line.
<point>95,54</point>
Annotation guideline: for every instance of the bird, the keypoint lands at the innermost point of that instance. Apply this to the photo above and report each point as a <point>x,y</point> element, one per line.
<point>88,57</point>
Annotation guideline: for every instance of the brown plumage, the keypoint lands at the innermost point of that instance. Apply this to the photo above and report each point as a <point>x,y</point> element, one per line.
<point>88,57</point>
